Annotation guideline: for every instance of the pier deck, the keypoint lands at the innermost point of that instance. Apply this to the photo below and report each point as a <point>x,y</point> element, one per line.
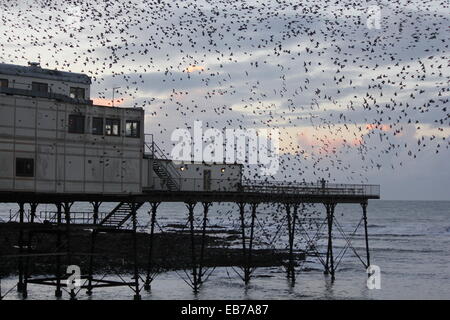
<point>260,192</point>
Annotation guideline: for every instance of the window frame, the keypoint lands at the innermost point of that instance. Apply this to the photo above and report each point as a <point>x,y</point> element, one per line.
<point>132,134</point>
<point>112,122</point>
<point>3,81</point>
<point>74,130</point>
<point>101,127</point>
<point>24,173</point>
<point>77,91</point>
<point>40,86</point>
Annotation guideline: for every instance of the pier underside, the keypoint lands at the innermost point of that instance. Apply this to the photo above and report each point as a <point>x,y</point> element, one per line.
<point>123,220</point>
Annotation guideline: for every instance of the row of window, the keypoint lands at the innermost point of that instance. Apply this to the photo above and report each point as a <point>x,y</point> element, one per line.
<point>107,127</point>
<point>75,92</point>
<point>25,168</point>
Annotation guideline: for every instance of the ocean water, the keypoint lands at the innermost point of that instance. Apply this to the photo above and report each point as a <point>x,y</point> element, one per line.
<point>409,241</point>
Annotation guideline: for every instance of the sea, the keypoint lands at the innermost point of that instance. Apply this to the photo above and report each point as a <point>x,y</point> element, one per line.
<point>409,245</point>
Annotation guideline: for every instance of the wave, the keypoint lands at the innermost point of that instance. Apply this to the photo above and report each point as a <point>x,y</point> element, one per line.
<point>376,226</point>
<point>407,250</point>
<point>394,235</point>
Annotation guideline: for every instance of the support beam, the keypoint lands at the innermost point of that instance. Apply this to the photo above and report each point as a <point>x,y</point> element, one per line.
<point>26,270</point>
<point>137,295</point>
<point>195,283</point>
<point>20,240</point>
<point>154,206</point>
<point>329,266</point>
<point>67,206</point>
<point>364,207</point>
<point>58,292</point>
<point>250,246</point>
<point>247,252</point>
<point>326,271</point>
<point>206,206</point>
<point>291,220</point>
<point>96,208</point>
<point>244,247</point>
<point>33,208</point>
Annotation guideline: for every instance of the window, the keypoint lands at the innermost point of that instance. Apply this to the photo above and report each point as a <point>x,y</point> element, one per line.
<point>76,123</point>
<point>3,83</point>
<point>24,167</point>
<point>132,129</point>
<point>39,86</point>
<point>97,126</point>
<point>77,93</point>
<point>112,127</point>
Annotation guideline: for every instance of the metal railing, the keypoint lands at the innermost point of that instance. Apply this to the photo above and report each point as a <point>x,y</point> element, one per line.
<point>75,217</point>
<point>155,152</point>
<point>14,216</point>
<point>269,187</point>
<point>314,188</point>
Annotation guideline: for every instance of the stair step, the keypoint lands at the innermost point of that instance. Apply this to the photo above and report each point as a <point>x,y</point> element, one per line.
<point>119,215</point>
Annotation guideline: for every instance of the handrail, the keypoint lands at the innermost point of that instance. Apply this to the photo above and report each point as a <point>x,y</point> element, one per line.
<point>75,217</point>
<point>311,188</point>
<point>272,187</point>
<point>155,150</point>
<point>14,217</point>
<point>157,153</point>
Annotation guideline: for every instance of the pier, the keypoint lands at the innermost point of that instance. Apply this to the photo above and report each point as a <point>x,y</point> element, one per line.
<point>123,219</point>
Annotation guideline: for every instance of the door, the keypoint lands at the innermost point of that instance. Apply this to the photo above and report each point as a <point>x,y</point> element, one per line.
<point>207,180</point>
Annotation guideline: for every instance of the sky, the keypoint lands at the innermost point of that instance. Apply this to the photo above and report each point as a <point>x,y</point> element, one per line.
<point>358,90</point>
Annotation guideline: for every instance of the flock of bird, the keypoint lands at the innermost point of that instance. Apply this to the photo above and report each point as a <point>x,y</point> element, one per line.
<point>346,98</point>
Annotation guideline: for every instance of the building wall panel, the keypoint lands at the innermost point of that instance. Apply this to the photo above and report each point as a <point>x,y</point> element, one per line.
<point>65,163</point>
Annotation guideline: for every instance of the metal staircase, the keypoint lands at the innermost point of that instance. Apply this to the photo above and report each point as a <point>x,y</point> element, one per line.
<point>163,167</point>
<point>119,215</point>
<point>165,174</point>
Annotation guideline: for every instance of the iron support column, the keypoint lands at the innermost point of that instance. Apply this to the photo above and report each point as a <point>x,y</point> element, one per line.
<point>195,282</point>
<point>20,262</point>
<point>291,228</point>
<point>245,254</point>
<point>67,206</point>
<point>137,295</point>
<point>26,271</point>
<point>250,245</point>
<point>148,280</point>
<point>96,209</point>
<point>364,207</point>
<point>329,267</point>
<point>58,292</point>
<point>33,208</point>
<point>206,206</point>
<point>326,271</point>
<point>244,248</point>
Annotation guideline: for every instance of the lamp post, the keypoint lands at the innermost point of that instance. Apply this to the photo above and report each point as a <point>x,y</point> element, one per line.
<point>114,90</point>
